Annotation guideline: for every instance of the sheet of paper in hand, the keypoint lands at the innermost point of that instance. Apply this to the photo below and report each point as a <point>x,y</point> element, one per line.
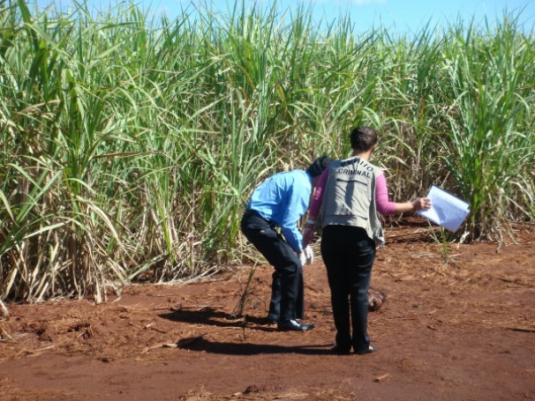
<point>447,211</point>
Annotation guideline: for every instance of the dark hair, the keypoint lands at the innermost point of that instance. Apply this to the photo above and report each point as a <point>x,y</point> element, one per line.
<point>363,138</point>
<point>318,166</point>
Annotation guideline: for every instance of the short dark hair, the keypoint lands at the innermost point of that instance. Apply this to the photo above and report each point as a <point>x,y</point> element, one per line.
<point>318,166</point>
<point>363,138</point>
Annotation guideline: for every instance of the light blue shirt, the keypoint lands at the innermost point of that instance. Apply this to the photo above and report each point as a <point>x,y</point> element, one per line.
<point>283,199</point>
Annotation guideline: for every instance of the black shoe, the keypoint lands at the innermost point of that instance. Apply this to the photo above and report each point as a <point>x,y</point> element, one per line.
<point>370,349</point>
<point>338,350</point>
<point>272,319</point>
<point>294,325</point>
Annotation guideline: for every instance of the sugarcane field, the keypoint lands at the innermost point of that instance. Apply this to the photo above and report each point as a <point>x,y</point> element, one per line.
<point>250,206</point>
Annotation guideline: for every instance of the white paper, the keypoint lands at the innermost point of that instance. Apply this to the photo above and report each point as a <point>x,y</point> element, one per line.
<point>447,210</point>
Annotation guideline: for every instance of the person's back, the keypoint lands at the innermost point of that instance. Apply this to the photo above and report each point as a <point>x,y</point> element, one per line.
<point>350,199</point>
<point>282,199</point>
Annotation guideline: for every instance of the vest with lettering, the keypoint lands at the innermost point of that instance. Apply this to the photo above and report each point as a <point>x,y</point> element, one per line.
<point>349,197</point>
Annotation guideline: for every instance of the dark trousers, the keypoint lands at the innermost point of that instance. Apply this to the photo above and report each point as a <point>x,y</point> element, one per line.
<point>287,286</point>
<point>348,254</point>
<point>276,295</point>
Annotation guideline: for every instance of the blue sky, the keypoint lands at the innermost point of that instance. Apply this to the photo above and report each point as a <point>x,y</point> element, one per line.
<point>398,16</point>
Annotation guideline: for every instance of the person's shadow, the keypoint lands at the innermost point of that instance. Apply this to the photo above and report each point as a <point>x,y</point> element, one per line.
<point>212,317</point>
<point>199,343</point>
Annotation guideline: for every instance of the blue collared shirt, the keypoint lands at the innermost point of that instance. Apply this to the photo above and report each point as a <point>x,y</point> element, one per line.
<point>283,199</point>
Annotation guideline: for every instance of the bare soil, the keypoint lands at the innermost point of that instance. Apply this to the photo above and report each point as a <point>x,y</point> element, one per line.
<point>462,330</point>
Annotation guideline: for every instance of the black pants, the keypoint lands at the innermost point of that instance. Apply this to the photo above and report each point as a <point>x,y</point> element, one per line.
<point>348,254</point>
<point>287,287</point>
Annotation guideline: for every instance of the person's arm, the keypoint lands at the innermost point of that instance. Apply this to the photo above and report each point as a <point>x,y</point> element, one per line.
<point>415,205</point>
<point>317,198</point>
<point>296,206</point>
<point>386,208</point>
<point>314,209</point>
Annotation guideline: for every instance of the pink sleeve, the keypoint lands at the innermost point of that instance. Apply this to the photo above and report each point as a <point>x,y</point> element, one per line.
<point>384,206</point>
<point>317,198</point>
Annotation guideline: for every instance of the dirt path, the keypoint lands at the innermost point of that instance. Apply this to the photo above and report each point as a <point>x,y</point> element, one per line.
<point>462,331</point>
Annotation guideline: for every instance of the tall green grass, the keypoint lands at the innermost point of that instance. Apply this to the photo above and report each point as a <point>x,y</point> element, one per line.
<point>130,144</point>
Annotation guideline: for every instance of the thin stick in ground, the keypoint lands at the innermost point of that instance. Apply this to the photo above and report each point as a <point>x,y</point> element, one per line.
<point>238,310</point>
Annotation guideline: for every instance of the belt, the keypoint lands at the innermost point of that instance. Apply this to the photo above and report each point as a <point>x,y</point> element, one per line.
<point>251,212</point>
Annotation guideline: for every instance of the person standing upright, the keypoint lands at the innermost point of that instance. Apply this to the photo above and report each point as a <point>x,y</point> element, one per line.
<point>279,202</point>
<point>349,197</point>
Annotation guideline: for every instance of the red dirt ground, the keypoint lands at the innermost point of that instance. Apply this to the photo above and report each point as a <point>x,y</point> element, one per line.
<point>458,331</point>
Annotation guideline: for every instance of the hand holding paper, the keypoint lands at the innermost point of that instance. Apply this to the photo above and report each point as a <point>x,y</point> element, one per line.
<point>422,204</point>
<point>447,210</point>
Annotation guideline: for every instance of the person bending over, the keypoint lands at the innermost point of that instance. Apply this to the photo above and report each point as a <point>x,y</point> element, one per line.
<point>278,203</point>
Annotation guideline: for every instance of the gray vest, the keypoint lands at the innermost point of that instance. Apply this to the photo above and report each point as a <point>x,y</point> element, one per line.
<point>349,197</point>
